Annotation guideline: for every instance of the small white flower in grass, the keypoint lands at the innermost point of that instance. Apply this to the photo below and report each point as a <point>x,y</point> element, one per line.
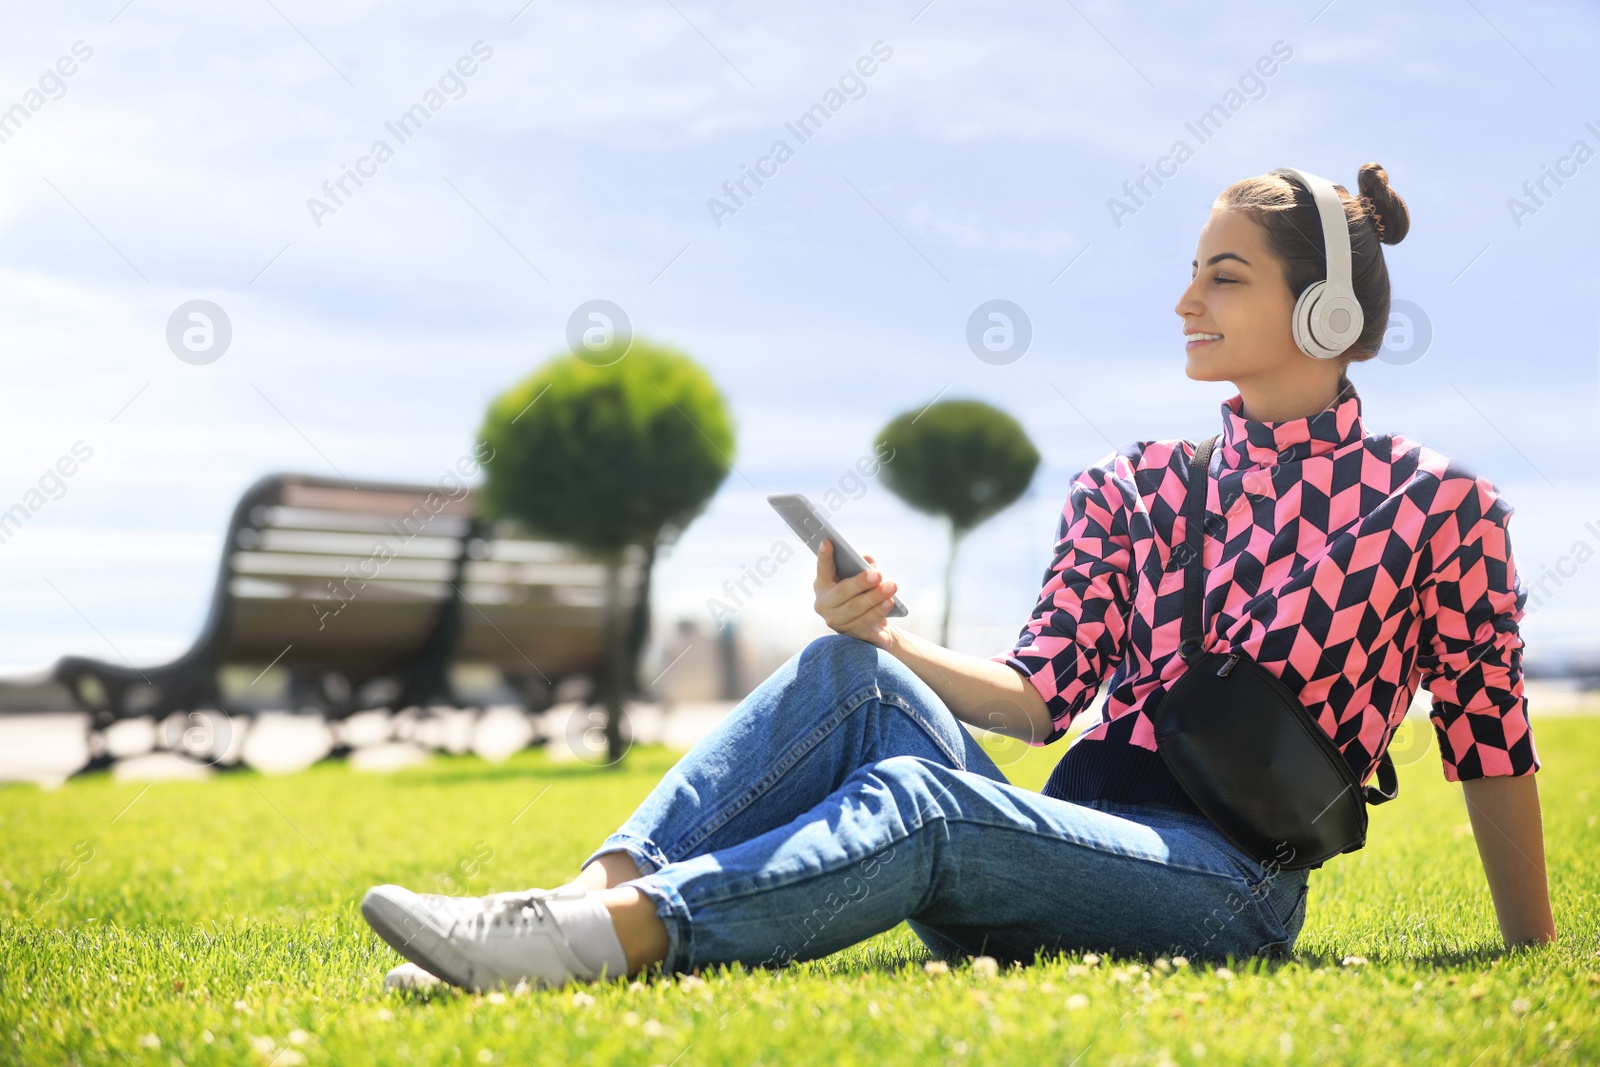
<point>985,966</point>
<point>263,1045</point>
<point>521,989</point>
<point>1163,965</point>
<point>1077,1001</point>
<point>240,1005</point>
<point>298,1037</point>
<point>1520,1005</point>
<point>1354,961</point>
<point>496,998</point>
<point>149,1041</point>
<point>385,1015</point>
<point>580,999</point>
<point>1076,970</point>
<point>288,1058</point>
<point>1180,961</point>
<point>651,1028</point>
<point>630,1018</point>
<point>691,981</point>
<point>634,987</point>
<point>936,967</point>
<point>1092,959</point>
<point>485,1055</point>
<point>1225,974</point>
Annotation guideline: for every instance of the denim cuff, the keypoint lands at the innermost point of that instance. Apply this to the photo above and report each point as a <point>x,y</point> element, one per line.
<point>674,915</point>
<point>646,855</point>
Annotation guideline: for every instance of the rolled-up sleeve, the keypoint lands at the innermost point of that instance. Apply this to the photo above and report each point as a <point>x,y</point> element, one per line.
<point>1074,636</point>
<point>1470,644</point>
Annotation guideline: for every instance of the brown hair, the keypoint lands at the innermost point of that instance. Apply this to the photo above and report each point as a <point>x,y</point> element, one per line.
<point>1287,211</point>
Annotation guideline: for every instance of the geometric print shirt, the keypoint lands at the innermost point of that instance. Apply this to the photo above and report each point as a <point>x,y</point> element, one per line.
<point>1356,568</point>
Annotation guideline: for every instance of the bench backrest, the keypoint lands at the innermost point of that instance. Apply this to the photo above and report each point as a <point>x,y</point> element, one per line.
<point>327,575</point>
<point>536,609</point>
<point>366,594</point>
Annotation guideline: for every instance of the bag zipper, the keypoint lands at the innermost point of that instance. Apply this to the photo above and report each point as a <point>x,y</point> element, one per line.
<point>1222,671</point>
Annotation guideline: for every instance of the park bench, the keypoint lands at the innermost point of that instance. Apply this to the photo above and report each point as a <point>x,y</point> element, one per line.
<point>346,587</point>
<point>534,611</point>
<point>362,595</point>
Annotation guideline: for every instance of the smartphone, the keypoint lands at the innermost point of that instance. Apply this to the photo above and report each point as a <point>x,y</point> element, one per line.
<point>813,528</point>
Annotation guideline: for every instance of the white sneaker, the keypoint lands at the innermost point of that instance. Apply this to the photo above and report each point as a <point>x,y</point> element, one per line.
<point>447,908</point>
<point>408,976</point>
<point>480,943</point>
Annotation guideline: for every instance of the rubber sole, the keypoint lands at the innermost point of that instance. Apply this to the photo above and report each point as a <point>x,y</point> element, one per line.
<point>411,977</point>
<point>393,922</point>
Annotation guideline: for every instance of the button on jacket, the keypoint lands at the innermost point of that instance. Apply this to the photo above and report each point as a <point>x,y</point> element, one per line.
<point>1356,568</point>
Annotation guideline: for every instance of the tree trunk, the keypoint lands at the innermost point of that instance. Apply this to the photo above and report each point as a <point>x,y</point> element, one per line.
<point>613,680</point>
<point>639,626</point>
<point>949,585</point>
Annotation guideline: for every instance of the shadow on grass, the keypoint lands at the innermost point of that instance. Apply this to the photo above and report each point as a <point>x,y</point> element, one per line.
<point>648,759</point>
<point>1443,959</point>
<point>908,963</point>
<point>894,960</point>
<point>561,772</point>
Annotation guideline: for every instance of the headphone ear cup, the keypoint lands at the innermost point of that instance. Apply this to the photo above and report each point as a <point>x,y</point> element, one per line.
<point>1338,319</point>
<point>1300,320</point>
<point>1325,343</point>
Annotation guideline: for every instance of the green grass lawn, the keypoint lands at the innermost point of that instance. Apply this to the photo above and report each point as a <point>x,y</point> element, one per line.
<point>217,922</point>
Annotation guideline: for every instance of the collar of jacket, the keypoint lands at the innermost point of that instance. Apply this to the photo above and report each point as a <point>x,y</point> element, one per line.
<point>1250,443</point>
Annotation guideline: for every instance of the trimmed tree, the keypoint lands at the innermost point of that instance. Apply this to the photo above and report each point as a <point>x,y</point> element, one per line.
<point>964,460</point>
<point>604,457</point>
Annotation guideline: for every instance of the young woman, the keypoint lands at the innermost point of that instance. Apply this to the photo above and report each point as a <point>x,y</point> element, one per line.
<point>843,796</point>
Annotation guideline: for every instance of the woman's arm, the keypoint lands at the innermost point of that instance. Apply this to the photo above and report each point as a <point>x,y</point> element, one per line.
<point>1506,824</point>
<point>1075,634</point>
<point>983,692</point>
<point>977,690</point>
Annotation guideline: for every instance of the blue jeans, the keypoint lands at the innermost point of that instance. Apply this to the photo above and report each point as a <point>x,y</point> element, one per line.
<point>841,797</point>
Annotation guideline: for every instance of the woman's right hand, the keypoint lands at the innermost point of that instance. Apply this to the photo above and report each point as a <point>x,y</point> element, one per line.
<point>858,605</point>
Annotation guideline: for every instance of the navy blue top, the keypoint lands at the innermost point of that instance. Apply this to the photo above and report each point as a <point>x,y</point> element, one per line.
<point>1116,770</point>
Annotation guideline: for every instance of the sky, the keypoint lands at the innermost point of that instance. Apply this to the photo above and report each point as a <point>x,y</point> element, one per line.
<point>580,152</point>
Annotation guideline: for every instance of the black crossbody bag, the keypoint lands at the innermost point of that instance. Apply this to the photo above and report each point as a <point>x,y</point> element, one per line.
<point>1244,748</point>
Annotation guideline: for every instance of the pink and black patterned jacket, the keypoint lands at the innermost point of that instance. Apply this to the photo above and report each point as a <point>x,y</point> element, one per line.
<point>1354,567</point>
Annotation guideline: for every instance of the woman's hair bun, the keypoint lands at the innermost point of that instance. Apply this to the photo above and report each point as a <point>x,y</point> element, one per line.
<point>1383,205</point>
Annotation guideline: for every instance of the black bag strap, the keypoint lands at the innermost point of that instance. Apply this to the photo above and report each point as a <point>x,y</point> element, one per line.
<point>1194,544</point>
<point>1388,786</point>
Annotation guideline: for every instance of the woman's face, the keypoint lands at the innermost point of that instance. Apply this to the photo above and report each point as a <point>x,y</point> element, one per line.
<point>1239,292</point>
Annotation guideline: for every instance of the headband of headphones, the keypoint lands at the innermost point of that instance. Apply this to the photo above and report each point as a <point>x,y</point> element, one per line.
<point>1327,317</point>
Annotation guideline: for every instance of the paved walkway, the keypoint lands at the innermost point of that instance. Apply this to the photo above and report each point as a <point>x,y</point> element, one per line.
<point>48,748</point>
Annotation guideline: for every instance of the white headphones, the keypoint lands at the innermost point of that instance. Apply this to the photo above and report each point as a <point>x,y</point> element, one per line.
<point>1327,318</point>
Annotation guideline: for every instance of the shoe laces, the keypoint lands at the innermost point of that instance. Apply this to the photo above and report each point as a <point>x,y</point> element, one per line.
<point>522,912</point>
<point>526,907</point>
